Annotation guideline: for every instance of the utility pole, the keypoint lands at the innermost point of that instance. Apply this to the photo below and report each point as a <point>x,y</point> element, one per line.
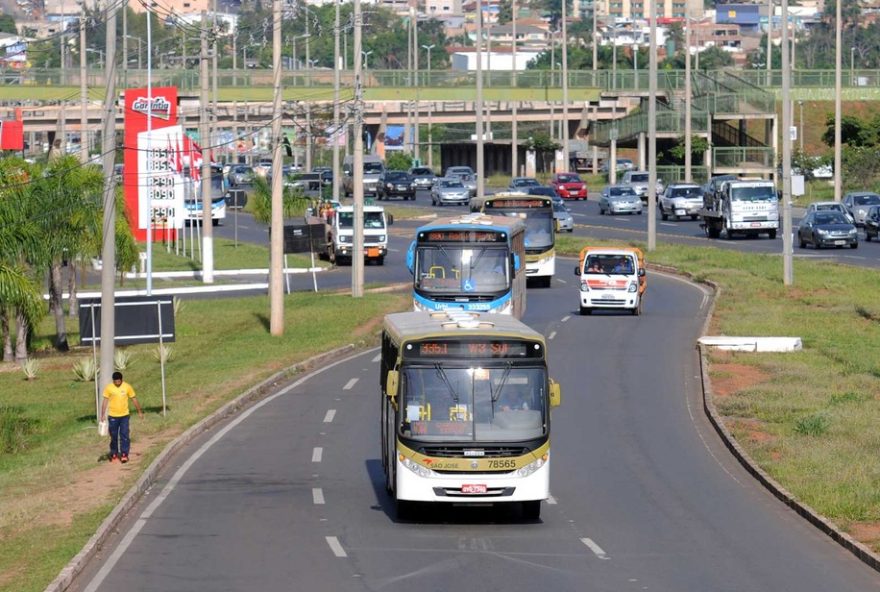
<point>838,107</point>
<point>431,112</point>
<point>652,133</point>
<point>276,234</point>
<point>357,252</point>
<point>308,100</point>
<point>124,9</point>
<point>514,142</point>
<point>565,153</point>
<point>787,239</point>
<point>415,51</point>
<point>336,74</point>
<point>83,90</point>
<point>687,98</point>
<point>108,249</point>
<point>769,41</point>
<point>204,133</point>
<point>595,45</point>
<point>479,106</point>
<point>214,77</point>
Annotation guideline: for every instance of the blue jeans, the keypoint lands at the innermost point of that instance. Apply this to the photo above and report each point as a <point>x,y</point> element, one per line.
<point>119,440</point>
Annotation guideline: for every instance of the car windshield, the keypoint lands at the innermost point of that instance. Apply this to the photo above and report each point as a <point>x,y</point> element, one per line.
<point>828,206</point>
<point>621,192</point>
<point>525,183</point>
<point>558,207</point>
<point>373,168</point>
<point>760,193</point>
<point>421,172</point>
<point>452,183</point>
<point>473,403</point>
<point>866,200</point>
<point>461,270</point>
<point>568,179</point>
<point>830,218</point>
<point>691,192</point>
<point>640,178</point>
<point>609,264</point>
<point>396,176</point>
<point>459,171</point>
<point>371,220</point>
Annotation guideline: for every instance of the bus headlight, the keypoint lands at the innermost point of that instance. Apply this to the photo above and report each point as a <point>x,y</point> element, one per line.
<point>343,238</point>
<point>532,466</point>
<point>416,468</point>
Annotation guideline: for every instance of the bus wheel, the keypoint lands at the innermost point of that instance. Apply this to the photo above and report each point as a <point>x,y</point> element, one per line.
<point>531,510</point>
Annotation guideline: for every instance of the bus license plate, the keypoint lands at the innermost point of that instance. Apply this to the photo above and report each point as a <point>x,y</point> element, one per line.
<point>473,488</point>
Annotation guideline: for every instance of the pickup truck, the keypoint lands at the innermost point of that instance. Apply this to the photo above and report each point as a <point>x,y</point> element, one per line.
<point>339,233</point>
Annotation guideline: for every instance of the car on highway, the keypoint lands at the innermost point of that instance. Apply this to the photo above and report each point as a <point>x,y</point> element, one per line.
<point>857,202</point>
<point>619,199</point>
<point>623,164</point>
<point>872,223</point>
<point>397,184</point>
<point>546,192</point>
<point>563,218</point>
<point>449,190</point>
<point>241,174</point>
<point>681,199</point>
<point>522,183</point>
<point>827,229</point>
<point>639,181</point>
<point>465,174</point>
<point>829,206</point>
<point>714,184</point>
<point>423,177</point>
<point>569,186</point>
<point>326,173</point>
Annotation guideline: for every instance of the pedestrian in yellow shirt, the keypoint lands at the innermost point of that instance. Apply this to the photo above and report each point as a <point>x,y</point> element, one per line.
<point>116,396</point>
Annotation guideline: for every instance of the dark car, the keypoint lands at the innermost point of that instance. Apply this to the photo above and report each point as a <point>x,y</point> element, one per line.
<point>544,191</point>
<point>827,229</point>
<point>872,223</point>
<point>397,184</point>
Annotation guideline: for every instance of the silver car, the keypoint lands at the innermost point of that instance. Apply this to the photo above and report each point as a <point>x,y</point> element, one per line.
<point>467,176</point>
<point>563,217</point>
<point>857,204</point>
<point>681,199</point>
<point>423,177</point>
<point>449,190</point>
<point>619,199</point>
<point>523,184</point>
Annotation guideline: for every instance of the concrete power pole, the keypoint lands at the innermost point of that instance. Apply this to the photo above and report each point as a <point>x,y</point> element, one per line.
<point>787,239</point>
<point>481,172</point>
<point>336,74</point>
<point>83,90</point>
<point>566,155</point>
<point>687,99</point>
<point>276,234</point>
<point>838,110</point>
<point>108,249</point>
<point>514,142</point>
<point>308,100</point>
<point>652,133</point>
<point>204,134</point>
<point>357,252</point>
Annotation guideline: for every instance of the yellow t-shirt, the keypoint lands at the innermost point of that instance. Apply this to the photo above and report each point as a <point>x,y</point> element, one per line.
<point>119,396</point>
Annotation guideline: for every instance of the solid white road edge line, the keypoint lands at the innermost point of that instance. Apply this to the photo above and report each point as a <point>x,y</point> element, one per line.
<point>331,413</point>
<point>336,547</point>
<point>596,549</point>
<point>350,384</point>
<point>317,454</point>
<point>178,475</point>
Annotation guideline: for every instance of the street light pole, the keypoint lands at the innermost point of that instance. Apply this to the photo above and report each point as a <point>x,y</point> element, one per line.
<point>787,239</point>
<point>838,107</point>
<point>428,48</point>
<point>652,133</point>
<point>357,259</point>
<point>276,236</point>
<point>688,177</point>
<point>566,157</point>
<point>514,142</point>
<point>479,104</point>
<point>336,74</point>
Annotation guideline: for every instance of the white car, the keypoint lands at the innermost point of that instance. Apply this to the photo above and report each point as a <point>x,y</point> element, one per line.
<point>681,199</point>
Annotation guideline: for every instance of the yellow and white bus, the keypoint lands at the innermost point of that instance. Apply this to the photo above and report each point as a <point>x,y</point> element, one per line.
<point>537,212</point>
<point>466,402</point>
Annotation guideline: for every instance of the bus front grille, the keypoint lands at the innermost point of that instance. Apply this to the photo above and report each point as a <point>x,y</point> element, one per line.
<point>493,452</point>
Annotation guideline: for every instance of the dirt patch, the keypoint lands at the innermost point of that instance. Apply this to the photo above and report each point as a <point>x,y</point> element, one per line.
<point>866,532</point>
<point>729,378</point>
<point>750,430</point>
<point>367,329</point>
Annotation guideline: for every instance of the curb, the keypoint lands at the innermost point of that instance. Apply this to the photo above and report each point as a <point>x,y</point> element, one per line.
<point>75,566</point>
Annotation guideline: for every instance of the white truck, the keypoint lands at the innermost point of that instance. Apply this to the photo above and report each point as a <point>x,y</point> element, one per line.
<point>611,278</point>
<point>339,233</point>
<point>746,207</point>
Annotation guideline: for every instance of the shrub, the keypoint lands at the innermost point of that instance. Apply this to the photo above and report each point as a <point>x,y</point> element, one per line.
<point>812,425</point>
<point>85,370</point>
<point>122,359</point>
<point>30,368</point>
<point>163,353</point>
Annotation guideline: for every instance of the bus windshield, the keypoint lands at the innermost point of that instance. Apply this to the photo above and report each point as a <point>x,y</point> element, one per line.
<point>473,404</point>
<point>539,230</point>
<point>458,269</point>
<point>371,220</point>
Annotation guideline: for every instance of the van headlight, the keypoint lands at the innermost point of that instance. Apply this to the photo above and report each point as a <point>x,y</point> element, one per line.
<point>343,238</point>
<point>382,238</point>
<point>416,468</point>
<point>633,287</point>
<point>584,287</point>
<point>532,466</point>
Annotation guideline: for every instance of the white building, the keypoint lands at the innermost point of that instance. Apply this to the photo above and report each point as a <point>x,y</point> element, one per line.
<point>466,61</point>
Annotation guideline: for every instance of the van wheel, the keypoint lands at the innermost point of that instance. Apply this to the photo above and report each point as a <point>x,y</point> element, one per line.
<point>637,311</point>
<point>380,260</point>
<point>586,311</point>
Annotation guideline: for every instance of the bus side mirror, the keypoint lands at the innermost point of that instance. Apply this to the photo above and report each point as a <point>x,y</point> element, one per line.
<point>391,384</point>
<point>514,260</point>
<point>411,257</point>
<point>641,272</point>
<point>555,394</point>
<point>390,219</point>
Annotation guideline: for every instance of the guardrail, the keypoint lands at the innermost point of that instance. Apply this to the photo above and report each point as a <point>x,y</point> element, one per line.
<point>742,158</point>
<point>675,174</point>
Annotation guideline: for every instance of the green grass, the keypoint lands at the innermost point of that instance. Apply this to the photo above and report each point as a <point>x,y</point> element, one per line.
<point>817,410</point>
<point>48,439</point>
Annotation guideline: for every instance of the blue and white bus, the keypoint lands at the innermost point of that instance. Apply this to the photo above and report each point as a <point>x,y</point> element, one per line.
<point>472,262</point>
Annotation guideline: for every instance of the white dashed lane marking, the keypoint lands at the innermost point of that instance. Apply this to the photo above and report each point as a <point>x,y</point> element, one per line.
<point>596,549</point>
<point>377,358</point>
<point>552,335</point>
<point>331,413</point>
<point>317,454</point>
<point>350,384</point>
<point>318,496</point>
<point>336,547</point>
<point>565,318</point>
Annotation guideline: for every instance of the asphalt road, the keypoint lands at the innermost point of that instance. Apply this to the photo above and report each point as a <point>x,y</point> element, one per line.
<point>290,496</point>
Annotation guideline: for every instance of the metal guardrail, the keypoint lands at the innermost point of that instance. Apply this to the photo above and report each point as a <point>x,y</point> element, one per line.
<point>675,174</point>
<point>742,158</point>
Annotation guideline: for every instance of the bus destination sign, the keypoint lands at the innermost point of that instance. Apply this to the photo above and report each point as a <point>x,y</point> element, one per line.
<point>475,349</point>
<point>462,236</point>
<point>517,203</point>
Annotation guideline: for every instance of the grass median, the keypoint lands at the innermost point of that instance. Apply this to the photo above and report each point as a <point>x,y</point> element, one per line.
<point>54,491</point>
<point>809,418</point>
